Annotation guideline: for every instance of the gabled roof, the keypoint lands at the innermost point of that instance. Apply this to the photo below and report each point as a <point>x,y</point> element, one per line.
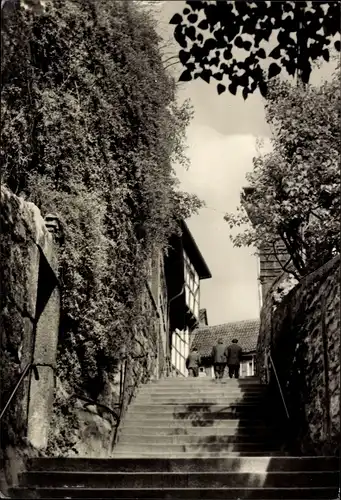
<point>205,337</point>
<point>193,252</point>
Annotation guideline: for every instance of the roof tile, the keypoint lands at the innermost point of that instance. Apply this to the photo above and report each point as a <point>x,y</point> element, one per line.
<point>205,337</point>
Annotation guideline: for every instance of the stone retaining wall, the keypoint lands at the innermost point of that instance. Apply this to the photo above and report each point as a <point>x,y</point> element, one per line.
<point>22,230</point>
<point>303,332</point>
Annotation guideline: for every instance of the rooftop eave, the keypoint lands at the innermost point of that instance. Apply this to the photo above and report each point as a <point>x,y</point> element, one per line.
<point>200,264</point>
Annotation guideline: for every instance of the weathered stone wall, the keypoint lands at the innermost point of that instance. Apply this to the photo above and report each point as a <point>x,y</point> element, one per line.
<point>22,228</point>
<point>303,333</point>
<point>92,427</point>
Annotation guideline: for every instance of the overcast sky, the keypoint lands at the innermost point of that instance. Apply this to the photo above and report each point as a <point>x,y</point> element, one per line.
<point>222,142</point>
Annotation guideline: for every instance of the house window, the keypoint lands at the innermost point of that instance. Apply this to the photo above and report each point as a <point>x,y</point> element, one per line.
<point>192,284</point>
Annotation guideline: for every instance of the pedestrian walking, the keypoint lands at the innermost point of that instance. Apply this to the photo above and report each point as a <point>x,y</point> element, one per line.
<point>234,356</point>
<point>193,362</point>
<point>219,359</point>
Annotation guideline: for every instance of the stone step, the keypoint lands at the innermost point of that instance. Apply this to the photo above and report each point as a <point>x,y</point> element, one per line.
<point>138,480</point>
<point>211,385</point>
<point>214,387</point>
<point>202,454</point>
<point>204,446</point>
<point>198,420</point>
<point>204,380</point>
<point>288,493</point>
<point>209,400</point>
<point>197,384</point>
<point>217,430</point>
<point>240,464</point>
<point>192,395</point>
<point>195,407</point>
<point>199,438</point>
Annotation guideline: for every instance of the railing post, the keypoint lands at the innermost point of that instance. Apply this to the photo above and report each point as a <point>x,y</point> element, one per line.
<point>45,339</point>
<point>327,421</point>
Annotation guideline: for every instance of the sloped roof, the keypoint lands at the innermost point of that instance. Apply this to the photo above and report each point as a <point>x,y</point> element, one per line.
<point>193,252</point>
<point>205,337</point>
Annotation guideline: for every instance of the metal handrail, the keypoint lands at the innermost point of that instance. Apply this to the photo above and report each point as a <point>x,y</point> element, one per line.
<point>93,402</point>
<point>26,370</point>
<point>279,385</point>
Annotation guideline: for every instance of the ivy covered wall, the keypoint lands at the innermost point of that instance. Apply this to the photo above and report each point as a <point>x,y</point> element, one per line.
<point>90,131</point>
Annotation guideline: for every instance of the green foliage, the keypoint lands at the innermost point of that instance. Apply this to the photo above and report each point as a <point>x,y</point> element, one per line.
<point>90,130</point>
<point>211,30</point>
<point>294,193</point>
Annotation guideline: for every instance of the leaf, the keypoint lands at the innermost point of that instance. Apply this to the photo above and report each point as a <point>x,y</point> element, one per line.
<point>221,88</point>
<point>245,93</point>
<point>247,45</point>
<point>180,37</point>
<point>263,88</point>
<point>186,11</point>
<point>325,54</point>
<point>218,76</point>
<point>185,76</point>
<point>203,25</point>
<point>190,33</point>
<point>227,54</point>
<point>196,4</point>
<point>210,44</point>
<point>275,53</point>
<point>239,42</point>
<point>233,88</point>
<point>337,45</point>
<point>192,18</point>
<point>176,19</point>
<point>274,70</point>
<point>206,75</point>
<point>261,53</point>
<point>184,56</point>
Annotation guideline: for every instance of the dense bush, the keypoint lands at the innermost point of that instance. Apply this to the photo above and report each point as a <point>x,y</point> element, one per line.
<point>90,128</point>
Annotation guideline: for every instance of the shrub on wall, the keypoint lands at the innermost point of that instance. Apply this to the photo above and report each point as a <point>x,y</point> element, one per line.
<point>90,130</point>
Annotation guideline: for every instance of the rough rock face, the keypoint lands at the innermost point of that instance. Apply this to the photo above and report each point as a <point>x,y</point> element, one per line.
<point>93,428</point>
<point>90,428</point>
<point>22,227</point>
<point>304,334</point>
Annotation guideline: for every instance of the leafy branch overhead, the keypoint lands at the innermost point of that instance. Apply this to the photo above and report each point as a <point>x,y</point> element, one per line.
<point>293,195</point>
<point>211,32</point>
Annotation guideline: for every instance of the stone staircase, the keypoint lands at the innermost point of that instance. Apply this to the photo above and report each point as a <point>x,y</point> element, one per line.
<point>190,439</point>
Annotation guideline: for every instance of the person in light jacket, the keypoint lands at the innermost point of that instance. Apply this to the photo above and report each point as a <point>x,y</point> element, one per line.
<point>193,362</point>
<point>234,356</point>
<point>219,359</point>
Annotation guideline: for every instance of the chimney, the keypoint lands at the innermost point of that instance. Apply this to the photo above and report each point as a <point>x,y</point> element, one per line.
<point>269,268</point>
<point>203,317</point>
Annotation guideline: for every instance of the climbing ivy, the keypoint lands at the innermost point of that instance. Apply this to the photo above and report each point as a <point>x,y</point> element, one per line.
<point>90,130</point>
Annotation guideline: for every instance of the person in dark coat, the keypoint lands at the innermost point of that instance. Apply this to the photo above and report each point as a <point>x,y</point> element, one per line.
<point>193,362</point>
<point>234,356</point>
<point>219,359</point>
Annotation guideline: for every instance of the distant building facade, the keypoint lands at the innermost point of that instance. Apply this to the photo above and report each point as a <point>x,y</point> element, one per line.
<point>205,337</point>
<point>270,262</point>
<point>175,285</point>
